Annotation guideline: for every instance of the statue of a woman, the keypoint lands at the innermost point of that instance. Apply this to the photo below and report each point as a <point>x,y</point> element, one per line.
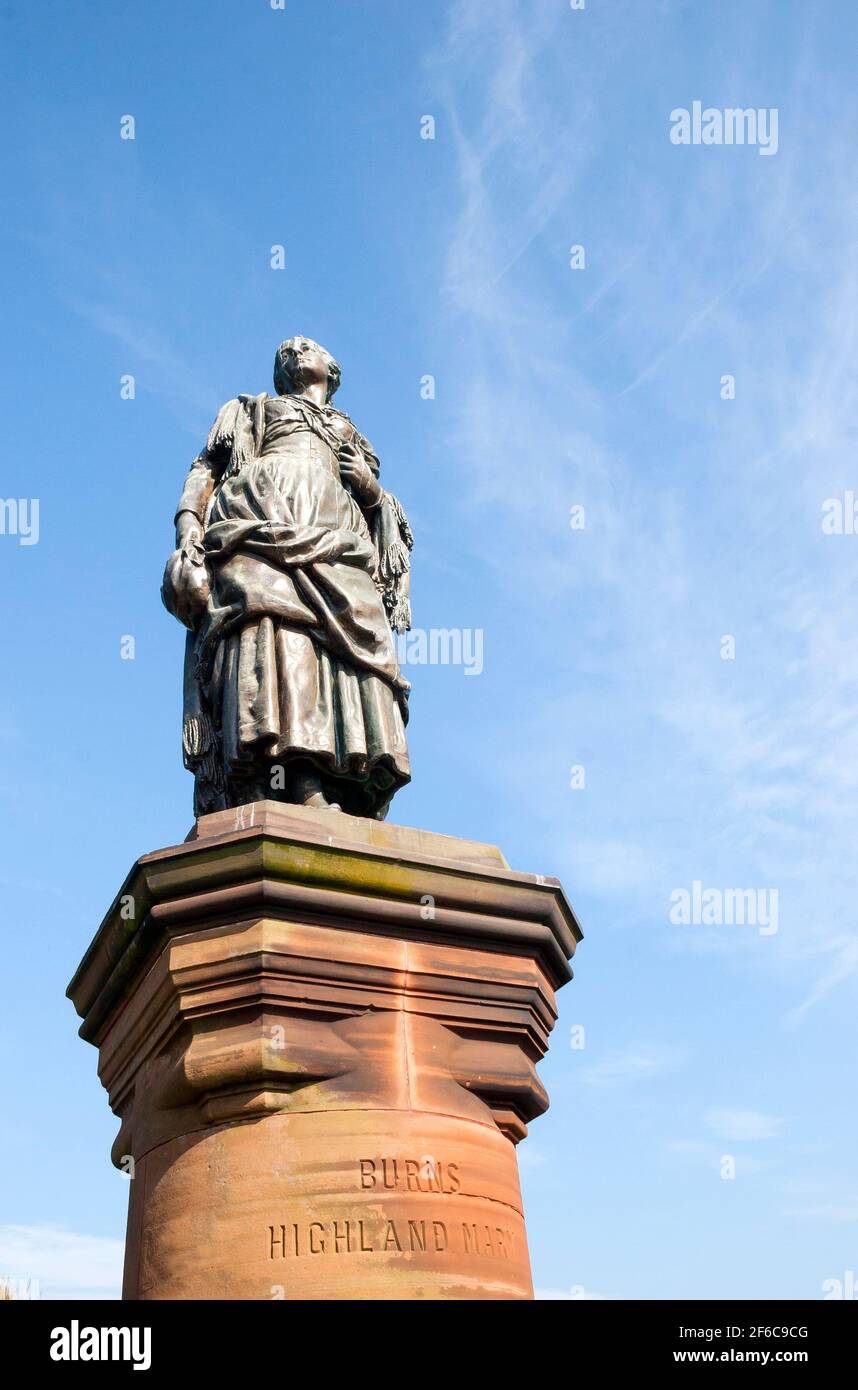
<point>291,570</point>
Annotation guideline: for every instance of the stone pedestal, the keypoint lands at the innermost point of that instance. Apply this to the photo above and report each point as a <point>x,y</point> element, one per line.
<point>320,1035</point>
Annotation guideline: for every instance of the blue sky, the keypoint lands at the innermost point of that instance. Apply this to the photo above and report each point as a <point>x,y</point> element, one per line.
<point>555,387</point>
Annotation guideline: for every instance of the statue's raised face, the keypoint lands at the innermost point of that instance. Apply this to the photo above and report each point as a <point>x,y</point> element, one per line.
<point>301,362</point>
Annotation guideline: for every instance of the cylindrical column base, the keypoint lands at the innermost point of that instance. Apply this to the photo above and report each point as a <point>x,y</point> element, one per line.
<point>349,1204</point>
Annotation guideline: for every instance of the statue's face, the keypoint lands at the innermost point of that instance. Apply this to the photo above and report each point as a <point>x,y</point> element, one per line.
<point>309,364</point>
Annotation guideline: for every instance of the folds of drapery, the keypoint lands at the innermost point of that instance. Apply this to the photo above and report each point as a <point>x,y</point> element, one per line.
<point>237,436</point>
<point>294,654</point>
<point>311,576</point>
<point>278,693</point>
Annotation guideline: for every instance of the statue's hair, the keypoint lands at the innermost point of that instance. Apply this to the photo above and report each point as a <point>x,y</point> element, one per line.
<point>284,384</point>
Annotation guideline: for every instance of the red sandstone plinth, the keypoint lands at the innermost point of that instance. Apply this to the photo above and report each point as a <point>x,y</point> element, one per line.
<point>320,1034</point>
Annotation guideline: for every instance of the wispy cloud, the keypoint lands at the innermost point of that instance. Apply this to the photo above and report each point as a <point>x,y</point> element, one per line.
<point>638,1062</point>
<point>828,1211</point>
<point>703,514</point>
<point>743,1126</point>
<point>66,1263</point>
<point>149,346</point>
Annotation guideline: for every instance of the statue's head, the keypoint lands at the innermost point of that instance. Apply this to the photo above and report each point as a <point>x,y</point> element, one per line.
<point>301,362</point>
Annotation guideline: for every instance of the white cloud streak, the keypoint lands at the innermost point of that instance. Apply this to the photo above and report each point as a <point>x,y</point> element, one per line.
<point>703,515</point>
<point>66,1263</point>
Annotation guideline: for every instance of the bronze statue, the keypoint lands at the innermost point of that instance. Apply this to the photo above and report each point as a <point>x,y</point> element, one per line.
<point>291,570</point>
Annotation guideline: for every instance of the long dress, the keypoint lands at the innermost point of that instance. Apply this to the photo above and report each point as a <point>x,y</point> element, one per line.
<point>295,655</point>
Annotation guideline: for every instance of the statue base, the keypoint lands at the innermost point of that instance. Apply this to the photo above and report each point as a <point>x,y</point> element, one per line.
<point>320,1035</point>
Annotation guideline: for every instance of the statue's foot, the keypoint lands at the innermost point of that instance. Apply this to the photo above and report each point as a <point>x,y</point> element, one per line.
<point>306,789</point>
<point>317,801</point>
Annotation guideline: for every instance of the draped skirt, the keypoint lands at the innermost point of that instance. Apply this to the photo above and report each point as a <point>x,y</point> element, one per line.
<point>277,695</point>
<point>297,655</point>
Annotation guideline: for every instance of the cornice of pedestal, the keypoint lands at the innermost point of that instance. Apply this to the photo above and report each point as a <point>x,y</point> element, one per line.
<point>310,865</point>
<point>273,917</point>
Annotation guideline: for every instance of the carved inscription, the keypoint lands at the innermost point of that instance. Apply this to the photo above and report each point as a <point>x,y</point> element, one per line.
<point>376,1234</point>
<point>379,1236</point>
<point>410,1175</point>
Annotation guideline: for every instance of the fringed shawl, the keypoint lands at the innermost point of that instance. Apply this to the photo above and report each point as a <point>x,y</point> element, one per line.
<point>393,542</point>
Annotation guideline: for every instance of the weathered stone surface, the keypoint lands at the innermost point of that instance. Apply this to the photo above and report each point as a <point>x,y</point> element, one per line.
<point>320,1034</point>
